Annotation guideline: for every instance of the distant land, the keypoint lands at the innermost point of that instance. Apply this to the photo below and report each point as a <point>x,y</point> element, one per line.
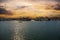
<point>30,19</point>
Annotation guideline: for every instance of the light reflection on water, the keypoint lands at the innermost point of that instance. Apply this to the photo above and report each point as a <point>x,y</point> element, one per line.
<point>30,30</point>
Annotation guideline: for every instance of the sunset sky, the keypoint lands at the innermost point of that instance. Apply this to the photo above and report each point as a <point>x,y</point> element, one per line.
<point>29,8</point>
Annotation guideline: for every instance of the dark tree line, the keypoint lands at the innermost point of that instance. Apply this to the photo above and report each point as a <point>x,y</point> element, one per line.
<point>29,19</point>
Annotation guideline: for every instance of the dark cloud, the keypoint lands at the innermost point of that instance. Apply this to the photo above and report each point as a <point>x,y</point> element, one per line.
<point>53,7</point>
<point>1,1</point>
<point>57,0</point>
<point>4,11</point>
<point>57,7</point>
<point>45,0</point>
<point>49,0</point>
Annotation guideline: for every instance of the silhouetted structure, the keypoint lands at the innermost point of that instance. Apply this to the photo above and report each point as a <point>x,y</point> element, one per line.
<point>29,19</point>
<point>46,18</point>
<point>25,19</point>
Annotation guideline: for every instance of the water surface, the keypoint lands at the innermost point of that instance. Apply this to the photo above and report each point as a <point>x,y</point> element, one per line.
<point>30,30</point>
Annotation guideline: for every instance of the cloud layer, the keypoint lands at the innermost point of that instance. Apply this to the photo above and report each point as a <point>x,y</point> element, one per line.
<point>28,6</point>
<point>4,11</point>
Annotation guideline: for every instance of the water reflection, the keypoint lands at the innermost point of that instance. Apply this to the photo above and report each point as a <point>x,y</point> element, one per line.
<point>30,30</point>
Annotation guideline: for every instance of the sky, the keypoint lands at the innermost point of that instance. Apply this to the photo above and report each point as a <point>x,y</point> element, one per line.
<point>29,8</point>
